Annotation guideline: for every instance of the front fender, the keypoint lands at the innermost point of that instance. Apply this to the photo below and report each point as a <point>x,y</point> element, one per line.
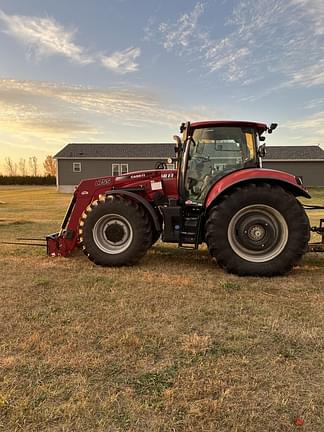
<point>138,198</point>
<point>252,175</point>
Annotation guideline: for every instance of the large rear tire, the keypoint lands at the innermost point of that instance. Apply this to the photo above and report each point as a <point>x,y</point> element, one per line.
<point>115,232</point>
<point>258,230</point>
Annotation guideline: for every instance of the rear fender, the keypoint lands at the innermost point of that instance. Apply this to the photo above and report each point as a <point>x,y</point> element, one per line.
<point>287,181</point>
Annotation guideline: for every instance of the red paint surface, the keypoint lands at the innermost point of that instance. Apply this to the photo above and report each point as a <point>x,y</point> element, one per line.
<point>298,421</point>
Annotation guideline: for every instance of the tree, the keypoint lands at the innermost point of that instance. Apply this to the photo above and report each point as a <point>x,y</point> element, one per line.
<point>11,167</point>
<point>22,167</point>
<point>49,166</point>
<point>33,166</point>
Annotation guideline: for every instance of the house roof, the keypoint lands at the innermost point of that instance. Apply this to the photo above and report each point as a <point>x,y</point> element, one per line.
<point>165,150</point>
<point>287,153</point>
<point>117,151</point>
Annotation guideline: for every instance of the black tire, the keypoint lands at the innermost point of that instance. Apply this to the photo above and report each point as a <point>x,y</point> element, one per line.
<point>115,232</point>
<point>257,230</point>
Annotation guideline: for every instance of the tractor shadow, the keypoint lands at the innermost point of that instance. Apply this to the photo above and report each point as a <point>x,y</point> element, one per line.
<point>199,259</point>
<point>173,257</point>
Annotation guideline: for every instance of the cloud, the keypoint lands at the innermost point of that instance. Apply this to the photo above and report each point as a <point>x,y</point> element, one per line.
<point>315,9</point>
<point>188,38</point>
<point>292,42</point>
<point>27,108</point>
<point>181,33</point>
<point>67,112</point>
<point>308,76</point>
<point>122,62</point>
<point>315,103</point>
<point>261,38</point>
<point>44,36</point>
<point>314,122</point>
<point>309,130</point>
<point>39,117</point>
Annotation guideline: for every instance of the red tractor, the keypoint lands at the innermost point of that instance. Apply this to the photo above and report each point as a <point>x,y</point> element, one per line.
<point>219,194</point>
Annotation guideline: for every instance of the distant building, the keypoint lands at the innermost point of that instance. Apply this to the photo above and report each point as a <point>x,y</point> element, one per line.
<point>79,161</point>
<point>304,161</point>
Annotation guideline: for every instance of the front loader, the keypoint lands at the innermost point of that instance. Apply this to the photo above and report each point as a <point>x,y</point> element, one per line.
<point>220,195</point>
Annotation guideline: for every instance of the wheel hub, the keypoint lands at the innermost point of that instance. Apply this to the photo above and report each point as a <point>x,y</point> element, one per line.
<point>113,233</point>
<point>258,233</point>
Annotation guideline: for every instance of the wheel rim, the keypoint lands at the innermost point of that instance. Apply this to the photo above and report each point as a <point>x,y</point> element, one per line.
<point>258,233</point>
<point>112,234</point>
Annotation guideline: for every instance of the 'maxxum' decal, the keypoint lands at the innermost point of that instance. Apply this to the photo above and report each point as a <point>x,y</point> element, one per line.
<point>168,175</point>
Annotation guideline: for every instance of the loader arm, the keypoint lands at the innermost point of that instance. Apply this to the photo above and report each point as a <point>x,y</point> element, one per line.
<point>144,188</point>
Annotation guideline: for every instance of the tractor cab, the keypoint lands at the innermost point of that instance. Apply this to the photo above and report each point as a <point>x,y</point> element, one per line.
<point>211,150</point>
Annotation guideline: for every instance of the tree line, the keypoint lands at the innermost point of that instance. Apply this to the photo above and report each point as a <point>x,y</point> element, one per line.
<point>29,167</point>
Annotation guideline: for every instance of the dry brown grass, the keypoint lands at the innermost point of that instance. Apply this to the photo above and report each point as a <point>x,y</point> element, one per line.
<point>173,344</point>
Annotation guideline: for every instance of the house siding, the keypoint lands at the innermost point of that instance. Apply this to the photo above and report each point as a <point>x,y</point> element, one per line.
<point>312,172</point>
<point>91,168</point>
<point>97,159</point>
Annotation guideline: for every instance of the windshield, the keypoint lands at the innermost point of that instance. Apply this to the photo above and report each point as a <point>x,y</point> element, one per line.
<point>215,151</point>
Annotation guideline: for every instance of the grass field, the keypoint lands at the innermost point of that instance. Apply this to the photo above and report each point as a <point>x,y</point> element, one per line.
<point>173,344</point>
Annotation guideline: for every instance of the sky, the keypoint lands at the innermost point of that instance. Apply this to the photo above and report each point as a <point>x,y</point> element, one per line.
<point>133,70</point>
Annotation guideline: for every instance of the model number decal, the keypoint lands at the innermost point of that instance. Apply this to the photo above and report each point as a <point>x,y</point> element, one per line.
<point>102,182</point>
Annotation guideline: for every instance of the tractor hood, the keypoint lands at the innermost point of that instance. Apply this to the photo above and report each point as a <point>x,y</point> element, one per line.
<point>149,180</point>
<point>146,175</point>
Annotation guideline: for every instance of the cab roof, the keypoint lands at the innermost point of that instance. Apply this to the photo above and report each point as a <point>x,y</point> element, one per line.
<point>261,127</point>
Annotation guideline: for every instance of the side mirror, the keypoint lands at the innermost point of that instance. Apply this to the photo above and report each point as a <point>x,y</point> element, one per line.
<point>182,127</point>
<point>178,146</point>
<point>262,151</point>
<point>272,127</point>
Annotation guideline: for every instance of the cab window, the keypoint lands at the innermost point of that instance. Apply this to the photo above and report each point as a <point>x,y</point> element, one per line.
<point>215,151</point>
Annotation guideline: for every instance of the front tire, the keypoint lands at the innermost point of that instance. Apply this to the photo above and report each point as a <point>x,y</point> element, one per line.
<point>258,230</point>
<point>115,232</point>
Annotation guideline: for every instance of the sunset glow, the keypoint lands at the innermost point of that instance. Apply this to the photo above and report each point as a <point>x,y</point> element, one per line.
<point>110,72</point>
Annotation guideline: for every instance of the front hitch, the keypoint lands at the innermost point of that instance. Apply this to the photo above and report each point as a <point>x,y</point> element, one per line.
<point>61,243</point>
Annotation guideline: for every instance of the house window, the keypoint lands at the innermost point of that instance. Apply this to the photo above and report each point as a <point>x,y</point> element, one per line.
<point>77,167</point>
<point>115,169</point>
<point>119,169</point>
<point>123,168</point>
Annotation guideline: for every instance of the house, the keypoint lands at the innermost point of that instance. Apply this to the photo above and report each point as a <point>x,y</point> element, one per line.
<point>304,161</point>
<point>79,161</point>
